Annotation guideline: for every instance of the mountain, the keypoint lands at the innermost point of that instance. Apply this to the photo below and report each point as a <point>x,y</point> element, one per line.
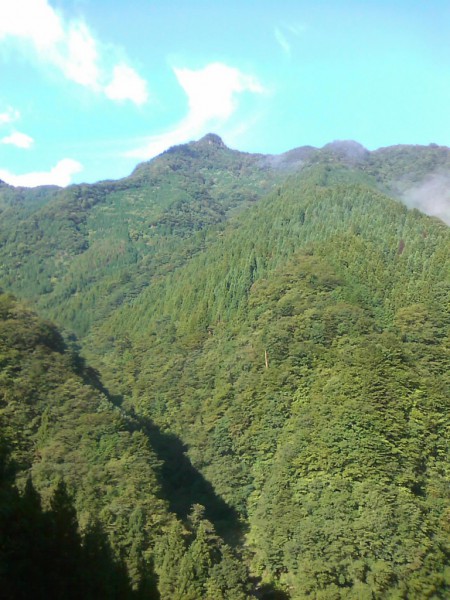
<point>102,244</point>
<point>274,330</point>
<point>82,251</point>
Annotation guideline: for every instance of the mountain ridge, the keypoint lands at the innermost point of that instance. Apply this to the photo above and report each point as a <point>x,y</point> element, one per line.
<point>411,173</point>
<point>339,147</point>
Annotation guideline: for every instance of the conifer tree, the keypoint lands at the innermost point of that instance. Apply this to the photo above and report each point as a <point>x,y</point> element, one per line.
<point>169,555</point>
<point>65,553</point>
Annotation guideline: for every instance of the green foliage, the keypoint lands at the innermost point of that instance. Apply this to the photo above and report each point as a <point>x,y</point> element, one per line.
<point>93,247</point>
<point>195,563</point>
<point>59,425</point>
<point>330,428</point>
<point>61,428</point>
<point>403,165</point>
<point>42,552</point>
<point>287,358</point>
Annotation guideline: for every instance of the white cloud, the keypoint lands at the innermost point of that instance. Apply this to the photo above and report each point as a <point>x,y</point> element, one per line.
<point>61,175</point>
<point>68,45</point>
<point>431,196</point>
<point>211,94</point>
<point>127,85</point>
<point>31,19</point>
<point>211,91</point>
<point>79,59</point>
<point>21,140</point>
<point>9,116</point>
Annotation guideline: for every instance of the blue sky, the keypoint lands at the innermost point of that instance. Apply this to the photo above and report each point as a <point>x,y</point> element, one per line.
<point>89,88</point>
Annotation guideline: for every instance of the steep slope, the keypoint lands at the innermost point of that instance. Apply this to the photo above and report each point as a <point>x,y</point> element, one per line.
<point>298,357</point>
<point>93,246</point>
<point>63,431</point>
<point>60,425</point>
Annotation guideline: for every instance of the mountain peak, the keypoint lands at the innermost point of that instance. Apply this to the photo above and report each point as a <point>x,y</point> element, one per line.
<point>212,139</point>
<point>348,149</point>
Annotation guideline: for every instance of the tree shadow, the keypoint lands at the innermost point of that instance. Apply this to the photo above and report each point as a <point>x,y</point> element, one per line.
<point>268,592</point>
<point>183,485</point>
<point>90,375</point>
<point>42,549</point>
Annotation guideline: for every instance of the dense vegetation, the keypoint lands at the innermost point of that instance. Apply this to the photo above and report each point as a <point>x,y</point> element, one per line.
<point>42,553</point>
<point>63,432</point>
<point>94,247</point>
<point>277,369</point>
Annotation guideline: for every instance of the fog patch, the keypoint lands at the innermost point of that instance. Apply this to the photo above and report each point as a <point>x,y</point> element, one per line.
<point>431,196</point>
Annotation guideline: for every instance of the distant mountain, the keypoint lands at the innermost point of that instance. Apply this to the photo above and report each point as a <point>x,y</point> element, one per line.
<point>417,175</point>
<point>275,332</point>
<point>121,234</point>
<point>129,229</point>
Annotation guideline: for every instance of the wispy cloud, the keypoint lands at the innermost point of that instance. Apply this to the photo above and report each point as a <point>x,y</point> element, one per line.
<point>15,138</point>
<point>70,46</point>
<point>18,139</point>
<point>9,116</point>
<point>211,94</point>
<point>284,33</point>
<point>61,174</point>
<point>282,41</point>
<point>431,196</point>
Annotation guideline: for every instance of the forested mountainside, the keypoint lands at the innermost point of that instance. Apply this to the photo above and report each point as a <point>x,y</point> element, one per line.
<point>270,341</point>
<point>80,252</point>
<point>107,241</point>
<point>100,524</point>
